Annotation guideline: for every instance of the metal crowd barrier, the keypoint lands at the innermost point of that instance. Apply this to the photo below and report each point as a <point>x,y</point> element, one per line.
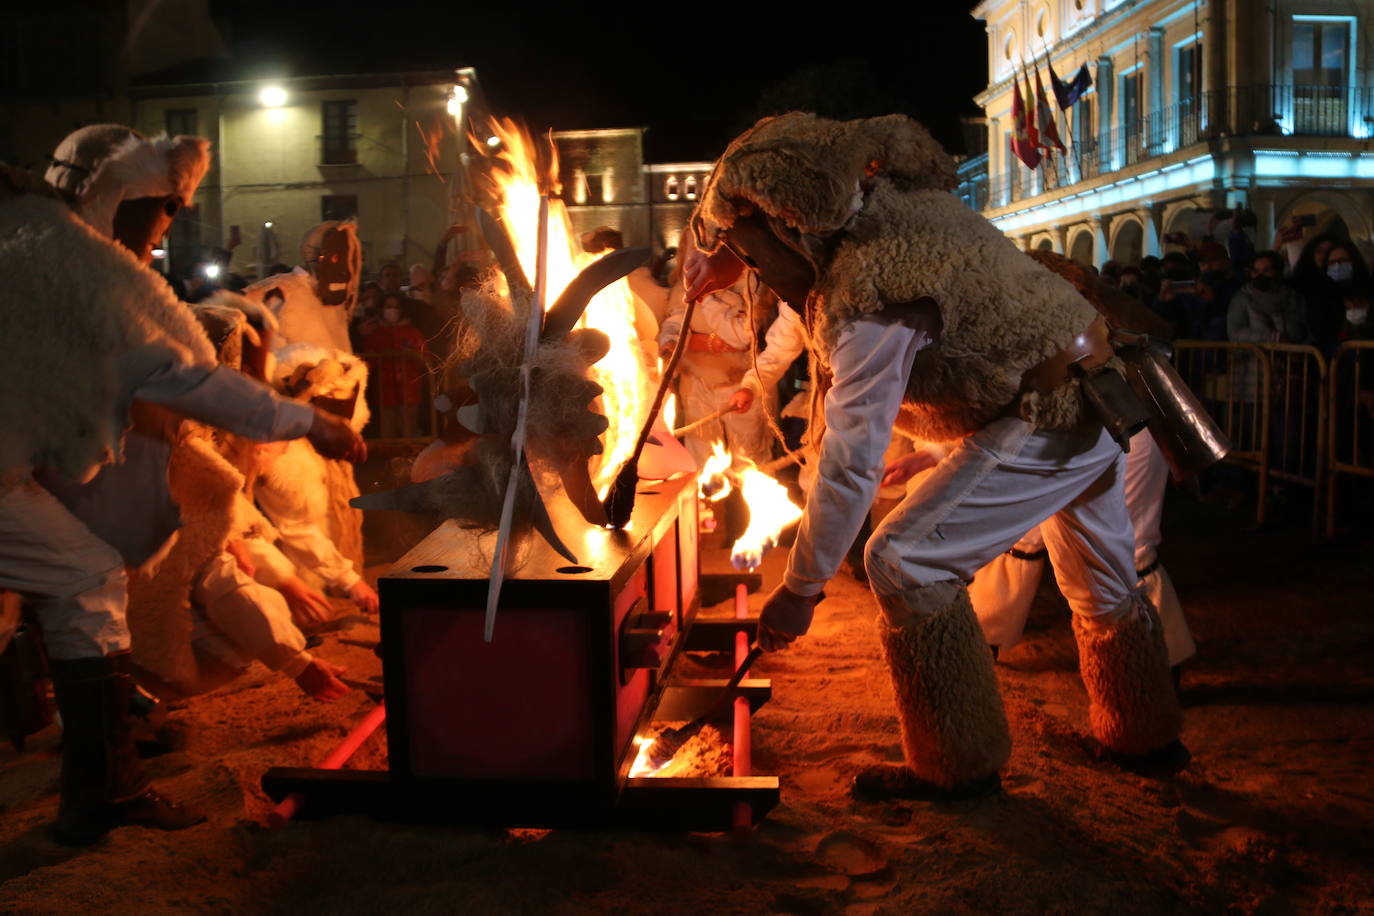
<point>1298,413</point>
<point>1350,442</point>
<point>428,419</point>
<point>1291,414</point>
<point>1233,381</point>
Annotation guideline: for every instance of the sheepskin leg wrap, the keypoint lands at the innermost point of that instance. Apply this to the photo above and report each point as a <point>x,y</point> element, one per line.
<point>954,729</point>
<point>1126,672</point>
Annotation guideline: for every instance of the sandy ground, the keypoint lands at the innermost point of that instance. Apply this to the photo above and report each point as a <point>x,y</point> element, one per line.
<point>1273,817</point>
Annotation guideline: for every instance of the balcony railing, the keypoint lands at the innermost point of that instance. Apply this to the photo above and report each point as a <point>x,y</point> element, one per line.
<point>1278,110</point>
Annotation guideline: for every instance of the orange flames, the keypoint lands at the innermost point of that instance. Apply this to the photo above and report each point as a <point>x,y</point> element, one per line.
<point>624,372</point>
<point>770,511</point>
<point>642,766</point>
<point>713,481</point>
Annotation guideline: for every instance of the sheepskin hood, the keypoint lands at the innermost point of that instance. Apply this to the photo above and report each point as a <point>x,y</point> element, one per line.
<point>104,165</point>
<point>301,316</point>
<point>810,172</point>
<point>77,312</point>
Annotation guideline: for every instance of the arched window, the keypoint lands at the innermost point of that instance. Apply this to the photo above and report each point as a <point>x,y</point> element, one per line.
<point>690,187</point>
<point>670,187</point>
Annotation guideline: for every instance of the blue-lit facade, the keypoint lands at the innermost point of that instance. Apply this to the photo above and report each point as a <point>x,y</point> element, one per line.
<point>1195,107</point>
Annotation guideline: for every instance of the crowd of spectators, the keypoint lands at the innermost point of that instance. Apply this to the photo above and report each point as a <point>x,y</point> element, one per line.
<point>1220,288</point>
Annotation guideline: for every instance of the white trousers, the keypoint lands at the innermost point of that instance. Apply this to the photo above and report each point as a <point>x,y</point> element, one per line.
<point>706,382</point>
<point>73,579</point>
<point>992,488</point>
<point>1003,590</point>
<point>237,620</point>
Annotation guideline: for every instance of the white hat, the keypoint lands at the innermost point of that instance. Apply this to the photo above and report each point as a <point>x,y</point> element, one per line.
<point>104,165</point>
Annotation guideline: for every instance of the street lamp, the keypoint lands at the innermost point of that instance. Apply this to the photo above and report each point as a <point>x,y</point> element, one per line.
<point>272,96</point>
<point>456,99</point>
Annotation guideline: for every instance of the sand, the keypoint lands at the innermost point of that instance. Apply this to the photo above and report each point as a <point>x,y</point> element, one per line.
<point>1273,817</point>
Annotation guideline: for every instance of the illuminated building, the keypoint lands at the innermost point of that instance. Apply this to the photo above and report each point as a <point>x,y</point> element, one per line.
<point>1194,107</point>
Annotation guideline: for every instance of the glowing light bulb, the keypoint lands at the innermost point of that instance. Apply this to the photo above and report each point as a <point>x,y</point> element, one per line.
<point>272,96</point>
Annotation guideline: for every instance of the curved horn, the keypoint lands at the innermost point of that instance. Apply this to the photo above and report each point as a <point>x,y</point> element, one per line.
<point>595,277</point>
<point>499,240</point>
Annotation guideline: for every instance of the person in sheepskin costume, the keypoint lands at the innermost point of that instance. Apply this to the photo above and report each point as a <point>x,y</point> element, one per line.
<point>224,596</point>
<point>306,495</point>
<point>313,302</point>
<point>922,314</point>
<point>94,339</point>
<point>1003,590</point>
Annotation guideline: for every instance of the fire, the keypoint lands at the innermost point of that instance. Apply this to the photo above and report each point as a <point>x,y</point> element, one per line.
<point>713,482</point>
<point>624,372</point>
<point>770,511</point>
<point>642,766</point>
<point>669,408</point>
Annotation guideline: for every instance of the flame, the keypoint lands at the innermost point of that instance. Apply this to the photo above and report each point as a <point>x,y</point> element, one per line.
<point>641,766</point>
<point>624,372</point>
<point>670,411</point>
<point>770,511</point>
<point>713,482</point>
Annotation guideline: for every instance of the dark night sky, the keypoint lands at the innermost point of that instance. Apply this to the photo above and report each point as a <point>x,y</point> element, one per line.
<point>694,81</point>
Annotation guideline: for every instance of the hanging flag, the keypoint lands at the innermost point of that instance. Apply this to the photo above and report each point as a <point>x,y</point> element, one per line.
<point>1049,131</point>
<point>1021,143</point>
<point>1066,95</point>
<point>1032,130</point>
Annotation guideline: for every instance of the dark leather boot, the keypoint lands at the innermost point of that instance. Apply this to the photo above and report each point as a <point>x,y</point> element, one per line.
<point>103,783</point>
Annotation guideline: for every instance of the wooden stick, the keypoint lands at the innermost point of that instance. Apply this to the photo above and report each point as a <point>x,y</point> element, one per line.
<point>713,415</point>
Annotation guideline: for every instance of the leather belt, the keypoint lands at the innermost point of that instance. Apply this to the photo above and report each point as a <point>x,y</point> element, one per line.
<point>709,343</point>
<point>1088,350</point>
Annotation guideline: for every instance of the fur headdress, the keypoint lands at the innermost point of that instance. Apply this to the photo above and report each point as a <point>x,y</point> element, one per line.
<point>104,165</point>
<point>810,172</point>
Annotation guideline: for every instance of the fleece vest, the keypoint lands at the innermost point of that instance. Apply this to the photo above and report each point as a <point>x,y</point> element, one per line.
<point>1002,312</point>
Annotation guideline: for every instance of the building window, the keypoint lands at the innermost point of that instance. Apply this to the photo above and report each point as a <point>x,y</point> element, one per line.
<point>595,192</point>
<point>671,187</point>
<point>338,206</point>
<point>181,121</point>
<point>1132,86</point>
<point>339,139</point>
<point>183,238</point>
<point>1321,71</point>
<point>1084,158</point>
<point>1189,94</point>
<point>690,187</point>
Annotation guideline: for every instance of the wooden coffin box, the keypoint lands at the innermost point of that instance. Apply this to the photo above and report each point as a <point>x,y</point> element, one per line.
<point>546,712</point>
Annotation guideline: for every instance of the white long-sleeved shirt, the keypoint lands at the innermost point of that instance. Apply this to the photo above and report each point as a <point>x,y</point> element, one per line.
<point>129,504</point>
<point>784,342</point>
<point>298,522</point>
<point>871,363</point>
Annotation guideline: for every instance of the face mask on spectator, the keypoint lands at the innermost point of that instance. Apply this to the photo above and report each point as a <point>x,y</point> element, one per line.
<point>1265,283</point>
<point>1357,316</point>
<point>1340,271</point>
<point>391,316</point>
